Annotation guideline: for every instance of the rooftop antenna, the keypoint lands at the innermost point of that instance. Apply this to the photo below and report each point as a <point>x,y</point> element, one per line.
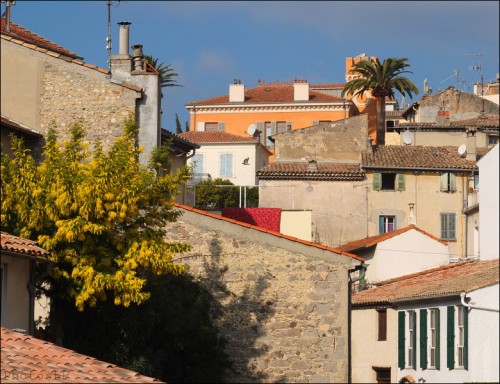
<point>8,4</point>
<point>458,75</point>
<point>478,68</point>
<point>108,38</point>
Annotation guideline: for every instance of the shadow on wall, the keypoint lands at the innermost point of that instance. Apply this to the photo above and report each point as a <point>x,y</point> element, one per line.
<point>243,315</point>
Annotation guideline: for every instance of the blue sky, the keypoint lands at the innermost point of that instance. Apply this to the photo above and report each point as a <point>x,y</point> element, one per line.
<point>211,43</point>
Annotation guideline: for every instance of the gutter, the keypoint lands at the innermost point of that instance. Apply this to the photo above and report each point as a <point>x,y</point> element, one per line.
<point>420,168</point>
<point>474,306</point>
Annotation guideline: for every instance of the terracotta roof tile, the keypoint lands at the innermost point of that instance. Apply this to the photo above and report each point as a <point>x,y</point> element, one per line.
<point>271,93</point>
<point>451,279</point>
<point>216,137</point>
<point>484,121</point>
<point>28,359</point>
<point>18,245</point>
<point>301,171</point>
<point>278,234</point>
<point>417,157</point>
<point>374,240</point>
<point>22,35</point>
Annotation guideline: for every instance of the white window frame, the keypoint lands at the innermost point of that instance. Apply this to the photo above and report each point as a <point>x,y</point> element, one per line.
<point>433,336</point>
<point>460,328</point>
<point>224,172</point>
<point>411,349</point>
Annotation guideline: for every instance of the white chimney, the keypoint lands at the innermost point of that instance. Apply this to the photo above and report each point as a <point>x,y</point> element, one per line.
<point>124,37</point>
<point>471,144</point>
<point>301,90</point>
<point>236,92</point>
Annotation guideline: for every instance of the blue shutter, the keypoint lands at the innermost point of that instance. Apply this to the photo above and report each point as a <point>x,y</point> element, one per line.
<point>450,338</point>
<point>401,340</point>
<point>423,338</point>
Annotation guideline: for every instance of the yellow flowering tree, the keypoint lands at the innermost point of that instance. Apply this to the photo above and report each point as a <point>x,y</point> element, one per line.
<point>101,214</point>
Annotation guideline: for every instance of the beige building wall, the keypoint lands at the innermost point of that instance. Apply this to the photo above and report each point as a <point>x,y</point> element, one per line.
<point>423,190</point>
<point>367,351</point>
<point>297,224</point>
<point>284,304</point>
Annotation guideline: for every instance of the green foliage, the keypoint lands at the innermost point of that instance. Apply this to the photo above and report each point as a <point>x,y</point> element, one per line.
<point>100,214</point>
<point>186,127</point>
<point>170,337</point>
<point>222,193</point>
<point>167,73</point>
<point>178,126</point>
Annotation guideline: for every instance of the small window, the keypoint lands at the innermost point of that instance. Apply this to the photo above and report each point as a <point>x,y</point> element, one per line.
<point>412,338</point>
<point>382,324</point>
<point>448,182</point>
<point>461,336</point>
<point>448,226</point>
<point>280,126</point>
<point>492,140</point>
<point>434,338</point>
<point>388,181</point>
<point>387,224</point>
<point>269,130</point>
<point>383,374</point>
<point>214,127</point>
<point>226,165</point>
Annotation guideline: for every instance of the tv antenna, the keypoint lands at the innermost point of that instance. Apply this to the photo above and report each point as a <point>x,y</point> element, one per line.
<point>108,38</point>
<point>478,68</point>
<point>459,77</point>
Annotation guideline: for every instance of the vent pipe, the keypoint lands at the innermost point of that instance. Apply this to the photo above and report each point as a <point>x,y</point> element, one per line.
<point>138,57</point>
<point>124,37</point>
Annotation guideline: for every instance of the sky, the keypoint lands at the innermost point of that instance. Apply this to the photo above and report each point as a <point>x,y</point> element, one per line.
<point>211,43</point>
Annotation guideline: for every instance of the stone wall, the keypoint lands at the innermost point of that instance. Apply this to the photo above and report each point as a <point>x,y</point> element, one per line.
<point>283,303</point>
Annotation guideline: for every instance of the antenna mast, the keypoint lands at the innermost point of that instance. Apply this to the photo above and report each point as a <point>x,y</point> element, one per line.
<point>479,68</point>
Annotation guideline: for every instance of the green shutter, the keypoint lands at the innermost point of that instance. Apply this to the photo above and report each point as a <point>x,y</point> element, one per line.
<point>453,182</point>
<point>450,338</point>
<point>466,338</point>
<point>414,337</point>
<point>444,226</point>
<point>452,218</point>
<point>423,338</point>
<point>401,340</point>
<point>377,181</point>
<point>401,181</point>
<point>438,338</point>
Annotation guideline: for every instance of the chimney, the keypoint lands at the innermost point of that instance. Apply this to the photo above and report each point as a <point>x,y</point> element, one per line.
<point>471,144</point>
<point>138,57</point>
<point>122,62</point>
<point>312,166</point>
<point>301,90</point>
<point>124,37</point>
<point>236,92</point>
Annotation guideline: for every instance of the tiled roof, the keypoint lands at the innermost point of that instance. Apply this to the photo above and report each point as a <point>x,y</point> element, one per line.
<point>418,157</point>
<point>18,126</point>
<point>451,279</point>
<point>20,246</point>
<point>28,359</point>
<point>216,137</point>
<point>271,232</point>
<point>273,93</point>
<point>484,121</point>
<point>28,39</point>
<point>374,240</point>
<point>301,171</point>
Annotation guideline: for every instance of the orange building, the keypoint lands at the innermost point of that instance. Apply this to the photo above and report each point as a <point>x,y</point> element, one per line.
<point>272,108</point>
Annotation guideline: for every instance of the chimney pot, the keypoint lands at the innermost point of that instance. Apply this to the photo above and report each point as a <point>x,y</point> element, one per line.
<point>124,37</point>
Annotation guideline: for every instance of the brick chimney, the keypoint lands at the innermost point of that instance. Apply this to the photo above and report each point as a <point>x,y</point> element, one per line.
<point>122,62</point>
<point>236,92</point>
<point>301,90</point>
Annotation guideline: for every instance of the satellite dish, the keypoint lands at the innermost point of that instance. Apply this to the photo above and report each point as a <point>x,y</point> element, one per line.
<point>251,129</point>
<point>462,150</point>
<point>407,137</point>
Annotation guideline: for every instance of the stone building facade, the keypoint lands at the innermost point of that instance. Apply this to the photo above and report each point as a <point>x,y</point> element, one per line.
<point>283,302</point>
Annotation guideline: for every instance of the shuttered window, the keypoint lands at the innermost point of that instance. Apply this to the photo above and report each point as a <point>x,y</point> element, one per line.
<point>226,165</point>
<point>450,338</point>
<point>382,324</point>
<point>389,181</point>
<point>386,224</point>
<point>434,338</point>
<point>401,340</point>
<point>423,338</point>
<point>448,182</point>
<point>462,333</point>
<point>448,226</point>
<point>262,132</point>
<point>412,339</point>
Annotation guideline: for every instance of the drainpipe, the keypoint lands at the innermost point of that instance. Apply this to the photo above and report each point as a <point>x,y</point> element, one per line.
<point>473,305</point>
<point>361,276</point>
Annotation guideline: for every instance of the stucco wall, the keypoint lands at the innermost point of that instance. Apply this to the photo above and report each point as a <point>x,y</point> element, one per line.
<point>489,205</point>
<point>367,350</point>
<point>15,296</point>
<point>297,224</point>
<point>283,303</point>
<point>338,208</point>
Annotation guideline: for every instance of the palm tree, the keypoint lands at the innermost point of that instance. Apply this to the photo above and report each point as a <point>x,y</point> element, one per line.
<point>167,74</point>
<point>381,79</point>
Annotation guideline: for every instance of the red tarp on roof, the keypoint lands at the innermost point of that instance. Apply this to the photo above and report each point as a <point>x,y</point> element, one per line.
<point>268,218</point>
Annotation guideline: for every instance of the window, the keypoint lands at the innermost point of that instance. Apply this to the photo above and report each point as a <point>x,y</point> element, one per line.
<point>492,140</point>
<point>412,338</point>
<point>457,337</point>
<point>198,163</point>
<point>270,129</point>
<point>225,165</point>
<point>214,127</point>
<point>388,181</point>
<point>448,226</point>
<point>448,182</point>
<point>383,374</point>
<point>387,224</point>
<point>280,126</point>
<point>382,324</point>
